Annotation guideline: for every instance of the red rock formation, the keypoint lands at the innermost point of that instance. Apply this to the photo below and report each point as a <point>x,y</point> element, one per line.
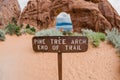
<point>8,10</point>
<point>97,15</point>
<point>109,13</point>
<point>37,15</point>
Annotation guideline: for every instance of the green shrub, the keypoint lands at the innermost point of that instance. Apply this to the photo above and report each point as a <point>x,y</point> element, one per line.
<point>52,32</point>
<point>113,36</point>
<point>27,26</point>
<point>69,33</point>
<point>12,29</point>
<point>94,37</point>
<point>2,35</point>
<point>29,31</point>
<point>33,29</point>
<point>49,32</point>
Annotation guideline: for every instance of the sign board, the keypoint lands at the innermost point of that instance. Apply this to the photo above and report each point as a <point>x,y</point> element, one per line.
<point>64,44</point>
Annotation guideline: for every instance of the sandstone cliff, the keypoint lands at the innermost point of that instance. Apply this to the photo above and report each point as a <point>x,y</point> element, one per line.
<point>36,13</point>
<point>8,10</point>
<point>97,15</point>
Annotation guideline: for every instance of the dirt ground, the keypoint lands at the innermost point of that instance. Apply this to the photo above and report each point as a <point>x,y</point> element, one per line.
<point>18,61</point>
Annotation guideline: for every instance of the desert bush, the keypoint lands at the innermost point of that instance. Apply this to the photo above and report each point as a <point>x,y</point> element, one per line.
<point>33,29</point>
<point>67,33</point>
<point>49,32</point>
<point>12,29</point>
<point>53,32</point>
<point>94,37</point>
<point>70,33</point>
<point>27,26</point>
<point>2,35</point>
<point>30,30</point>
<point>76,34</point>
<point>113,36</point>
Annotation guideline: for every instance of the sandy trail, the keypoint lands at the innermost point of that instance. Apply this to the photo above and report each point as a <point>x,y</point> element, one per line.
<point>19,62</point>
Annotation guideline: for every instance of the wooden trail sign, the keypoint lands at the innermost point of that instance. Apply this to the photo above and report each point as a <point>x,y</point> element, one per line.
<point>60,44</point>
<point>64,44</point>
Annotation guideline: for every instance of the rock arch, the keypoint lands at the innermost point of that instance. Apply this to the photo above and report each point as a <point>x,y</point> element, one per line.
<point>91,14</point>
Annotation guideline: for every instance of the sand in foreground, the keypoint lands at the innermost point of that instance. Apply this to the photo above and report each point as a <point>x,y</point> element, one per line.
<point>19,62</point>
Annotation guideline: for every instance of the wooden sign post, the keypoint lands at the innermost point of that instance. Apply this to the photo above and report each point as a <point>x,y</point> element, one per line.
<point>60,66</point>
<point>60,44</point>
